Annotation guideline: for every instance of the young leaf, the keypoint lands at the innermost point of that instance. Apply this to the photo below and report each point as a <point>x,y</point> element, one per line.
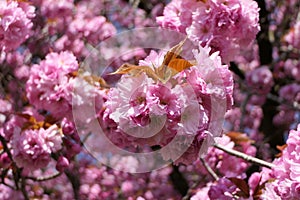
<point>135,70</point>
<point>177,65</point>
<point>172,64</point>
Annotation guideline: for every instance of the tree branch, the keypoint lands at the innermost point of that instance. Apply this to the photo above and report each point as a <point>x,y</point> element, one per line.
<point>16,173</point>
<point>209,169</point>
<point>244,156</point>
<point>23,188</point>
<point>75,183</point>
<point>40,179</point>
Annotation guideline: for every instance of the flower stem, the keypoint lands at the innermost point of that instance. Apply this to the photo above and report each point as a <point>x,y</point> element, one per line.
<point>245,156</point>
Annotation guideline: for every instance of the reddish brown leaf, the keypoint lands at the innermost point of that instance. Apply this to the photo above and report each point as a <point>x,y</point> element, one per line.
<point>242,185</point>
<point>238,137</point>
<point>280,148</point>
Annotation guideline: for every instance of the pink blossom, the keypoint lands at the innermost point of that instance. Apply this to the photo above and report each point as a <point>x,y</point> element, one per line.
<point>171,17</point>
<point>5,108</point>
<point>217,77</point>
<point>154,112</point>
<point>32,148</point>
<point>93,29</point>
<point>293,36</point>
<point>53,138</point>
<point>49,86</point>
<point>222,190</point>
<point>128,187</point>
<point>290,92</point>
<point>106,183</point>
<point>62,163</point>
<point>15,24</point>
<point>128,16</point>
<point>5,161</point>
<point>68,127</point>
<point>131,95</point>
<point>227,164</point>
<point>284,117</point>
<point>7,193</point>
<point>286,171</point>
<point>57,9</point>
<point>226,27</point>
<point>292,68</point>
<point>202,193</point>
<point>12,125</point>
<point>87,99</point>
<point>269,192</point>
<point>260,80</point>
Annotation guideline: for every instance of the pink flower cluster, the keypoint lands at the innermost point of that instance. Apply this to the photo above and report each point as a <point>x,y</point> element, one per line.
<point>287,168</point>
<point>50,108</point>
<point>222,189</point>
<point>291,94</point>
<point>129,17</point>
<point>226,26</point>
<point>32,148</point>
<point>85,26</point>
<point>67,25</point>
<point>286,173</point>
<point>49,86</point>
<point>15,24</point>
<point>175,115</point>
<point>260,80</point>
<point>104,183</point>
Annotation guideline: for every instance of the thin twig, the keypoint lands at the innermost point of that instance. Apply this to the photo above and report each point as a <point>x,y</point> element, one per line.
<point>85,138</point>
<point>3,176</point>
<point>294,105</point>
<point>23,188</point>
<point>209,169</point>
<point>5,147</point>
<point>15,172</point>
<point>40,179</point>
<point>134,3</point>
<point>245,156</point>
<point>7,185</point>
<point>75,183</point>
